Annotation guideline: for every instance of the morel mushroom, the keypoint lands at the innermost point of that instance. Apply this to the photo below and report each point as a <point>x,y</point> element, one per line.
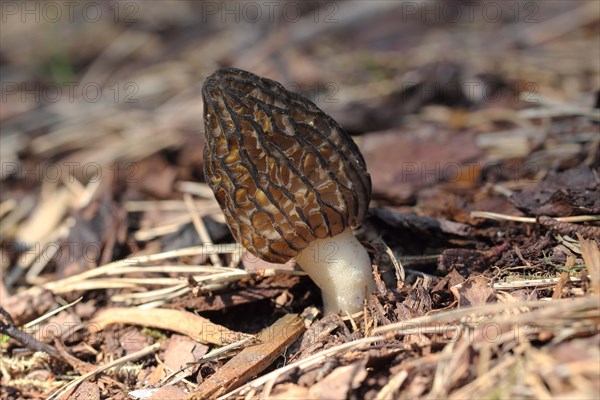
<point>290,181</point>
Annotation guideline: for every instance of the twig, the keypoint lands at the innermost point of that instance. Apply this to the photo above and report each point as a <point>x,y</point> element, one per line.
<point>7,327</point>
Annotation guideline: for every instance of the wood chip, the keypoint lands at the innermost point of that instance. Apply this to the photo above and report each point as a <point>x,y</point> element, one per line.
<point>591,257</point>
<point>338,383</point>
<point>251,361</point>
<point>289,391</point>
<point>186,323</point>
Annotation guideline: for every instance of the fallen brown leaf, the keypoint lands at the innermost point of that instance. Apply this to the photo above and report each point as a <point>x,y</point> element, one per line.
<point>186,323</point>
<point>181,350</point>
<point>475,292</point>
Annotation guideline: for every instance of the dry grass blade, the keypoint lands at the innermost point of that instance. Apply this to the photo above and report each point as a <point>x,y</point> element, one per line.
<point>16,214</point>
<point>157,231</point>
<point>485,382</point>
<point>560,307</point>
<point>197,189</point>
<point>152,298</point>
<point>529,220</point>
<point>46,217</point>
<point>56,286</point>
<point>134,356</point>
<point>186,323</point>
<point>200,227</point>
<point>7,206</point>
<point>168,205</point>
<point>34,262</point>
<point>392,386</point>
<point>51,313</point>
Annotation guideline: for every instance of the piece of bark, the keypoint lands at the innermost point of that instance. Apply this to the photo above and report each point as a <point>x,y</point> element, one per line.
<point>254,359</point>
<point>186,323</point>
<point>466,261</point>
<point>421,226</point>
<point>553,198</point>
<point>567,228</point>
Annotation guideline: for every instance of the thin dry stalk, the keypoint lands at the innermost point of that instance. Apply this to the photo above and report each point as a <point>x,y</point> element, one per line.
<point>529,220</point>
<point>200,228</point>
<point>116,265</point>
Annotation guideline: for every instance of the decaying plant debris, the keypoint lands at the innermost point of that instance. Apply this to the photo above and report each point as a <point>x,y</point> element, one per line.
<point>121,280</point>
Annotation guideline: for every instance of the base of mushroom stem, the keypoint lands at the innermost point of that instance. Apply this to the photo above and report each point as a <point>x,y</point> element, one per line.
<point>341,268</point>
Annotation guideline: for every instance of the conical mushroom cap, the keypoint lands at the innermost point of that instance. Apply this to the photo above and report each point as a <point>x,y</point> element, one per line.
<point>284,172</point>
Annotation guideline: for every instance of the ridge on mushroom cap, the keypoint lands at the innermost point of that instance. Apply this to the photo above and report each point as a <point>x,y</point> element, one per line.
<point>283,171</point>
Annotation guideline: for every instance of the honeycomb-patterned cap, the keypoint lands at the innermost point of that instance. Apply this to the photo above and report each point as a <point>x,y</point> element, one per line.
<point>284,172</point>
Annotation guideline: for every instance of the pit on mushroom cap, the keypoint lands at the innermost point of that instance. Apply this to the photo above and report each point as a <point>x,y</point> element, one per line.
<point>290,181</point>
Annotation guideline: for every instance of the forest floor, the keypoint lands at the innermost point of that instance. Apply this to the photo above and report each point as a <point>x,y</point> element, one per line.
<point>121,279</point>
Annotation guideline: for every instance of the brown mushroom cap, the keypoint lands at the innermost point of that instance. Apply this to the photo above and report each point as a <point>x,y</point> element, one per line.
<point>284,172</point>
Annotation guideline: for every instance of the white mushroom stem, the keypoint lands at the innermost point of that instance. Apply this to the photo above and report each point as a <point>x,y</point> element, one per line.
<point>341,268</point>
